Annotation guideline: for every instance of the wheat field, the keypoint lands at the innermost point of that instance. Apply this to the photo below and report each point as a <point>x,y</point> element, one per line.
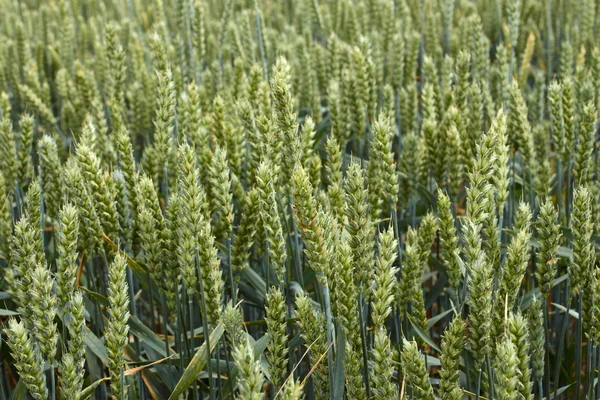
<point>299,199</point>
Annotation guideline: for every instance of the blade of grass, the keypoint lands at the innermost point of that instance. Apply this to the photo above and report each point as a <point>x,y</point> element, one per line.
<point>197,363</point>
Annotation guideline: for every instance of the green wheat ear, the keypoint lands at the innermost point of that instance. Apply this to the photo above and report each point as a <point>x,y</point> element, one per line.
<point>28,359</point>
<point>449,240</point>
<point>549,236</point>
<point>270,220</point>
<point>519,336</point>
<point>66,263</point>
<point>251,376</point>
<point>8,152</point>
<point>72,364</point>
<point>381,175</point>
<point>117,328</point>
<point>276,329</point>
<point>312,324</point>
<point>413,366</point>
<point>358,222</point>
<point>506,370</point>
<point>453,344</point>
<point>583,252</point>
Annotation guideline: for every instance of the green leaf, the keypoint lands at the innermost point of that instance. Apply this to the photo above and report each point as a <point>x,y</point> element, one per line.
<point>433,361</point>
<point>95,345</point>
<point>559,391</point>
<point>89,391</point>
<point>195,366</point>
<point>339,379</point>
<point>20,392</point>
<point>424,336</point>
<point>432,321</point>
<point>254,281</point>
<point>97,296</point>
<point>147,336</point>
<point>7,313</point>
<point>260,345</point>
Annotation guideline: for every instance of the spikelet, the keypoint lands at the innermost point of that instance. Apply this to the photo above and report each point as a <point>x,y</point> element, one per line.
<point>313,223</point>
<point>211,273</point>
<point>26,124</point>
<point>345,297</point>
<point>519,336</point>
<point>549,236</point>
<point>480,293</point>
<point>38,105</point>
<point>410,294</point>
<point>451,161</point>
<point>556,117</point>
<point>8,156</point>
<point>309,158</point>
<point>500,180</point>
<point>165,114</point>
<point>43,307</point>
<point>28,359</point>
<point>449,240</point>
<point>66,262</point>
<point>381,175</point>
<point>383,369</point>
<point>220,201</point>
<point>479,192</point>
<point>293,390</point>
<point>244,236</point>
<point>426,235</point>
<point>537,337</point>
<point>24,256</point>
<point>270,221</point>
<point>518,254</point>
<point>285,117</point>
<point>569,123</point>
<point>49,170</point>
<point>453,344</point>
<point>413,366</point>
<point>117,328</point>
<point>384,279</point>
<point>409,169</point>
<point>312,323</point>
<point>6,222</point>
<point>585,143</point>
<point>513,19</point>
<point>519,128</point>
<point>72,363</point>
<point>193,216</point>
<point>507,369</point>
<point>593,319</point>
<point>583,260</point>
<point>251,377</point>
<point>513,270</point>
<point>277,331</point>
<point>77,193</point>
<point>358,222</point>
<point>97,187</point>
<point>151,225</point>
<point>233,323</point>
<point>33,199</point>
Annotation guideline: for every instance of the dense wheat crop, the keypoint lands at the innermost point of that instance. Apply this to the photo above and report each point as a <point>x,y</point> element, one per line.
<point>302,199</point>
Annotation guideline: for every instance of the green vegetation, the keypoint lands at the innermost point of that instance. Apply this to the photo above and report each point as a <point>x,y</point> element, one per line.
<point>307,199</point>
